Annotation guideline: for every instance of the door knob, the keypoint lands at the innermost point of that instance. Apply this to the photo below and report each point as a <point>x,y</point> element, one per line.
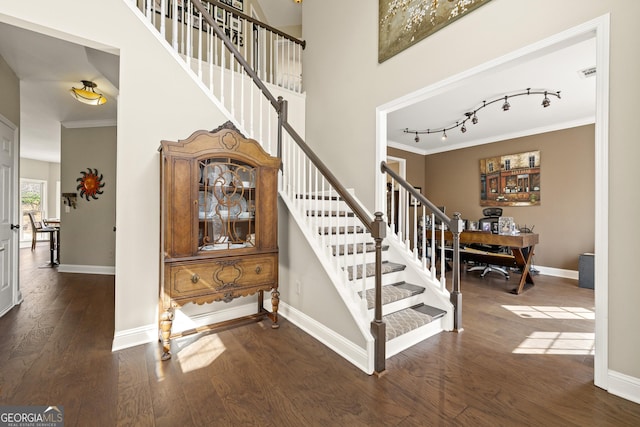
<point>15,226</point>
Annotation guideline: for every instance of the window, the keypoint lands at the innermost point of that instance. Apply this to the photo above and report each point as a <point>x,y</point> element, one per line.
<point>32,199</point>
<point>507,164</point>
<point>532,161</point>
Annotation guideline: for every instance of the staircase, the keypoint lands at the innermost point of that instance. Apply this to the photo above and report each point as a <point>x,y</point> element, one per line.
<point>407,313</point>
<point>415,303</point>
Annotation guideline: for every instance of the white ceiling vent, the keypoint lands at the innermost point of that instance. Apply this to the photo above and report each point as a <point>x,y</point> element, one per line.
<point>587,72</point>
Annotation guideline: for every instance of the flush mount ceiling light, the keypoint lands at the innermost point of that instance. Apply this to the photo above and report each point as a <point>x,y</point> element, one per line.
<point>87,95</point>
<point>472,115</point>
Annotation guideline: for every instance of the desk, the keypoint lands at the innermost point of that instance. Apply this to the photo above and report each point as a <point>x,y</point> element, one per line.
<point>54,242</point>
<point>515,242</point>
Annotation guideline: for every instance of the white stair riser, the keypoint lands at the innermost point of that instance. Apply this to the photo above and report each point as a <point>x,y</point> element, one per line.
<point>346,239</point>
<point>399,305</point>
<point>387,279</point>
<point>413,337</point>
<point>369,257</point>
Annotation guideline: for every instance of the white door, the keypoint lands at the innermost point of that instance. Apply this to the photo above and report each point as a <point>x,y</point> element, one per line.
<point>9,292</point>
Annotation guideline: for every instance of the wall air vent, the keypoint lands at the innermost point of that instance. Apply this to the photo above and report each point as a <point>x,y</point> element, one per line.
<point>587,72</point>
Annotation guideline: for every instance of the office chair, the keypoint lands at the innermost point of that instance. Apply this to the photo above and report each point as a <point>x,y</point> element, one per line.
<point>490,223</point>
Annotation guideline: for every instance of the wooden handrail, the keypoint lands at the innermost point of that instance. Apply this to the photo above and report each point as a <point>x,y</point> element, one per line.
<point>236,53</point>
<point>257,23</point>
<point>362,215</point>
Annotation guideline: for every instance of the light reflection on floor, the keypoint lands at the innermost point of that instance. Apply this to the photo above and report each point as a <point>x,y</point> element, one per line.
<point>557,343</point>
<point>543,342</point>
<point>550,312</point>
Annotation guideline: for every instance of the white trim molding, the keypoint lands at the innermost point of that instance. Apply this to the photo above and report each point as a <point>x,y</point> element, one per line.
<point>624,386</point>
<point>87,269</point>
<point>133,337</point>
<point>355,354</point>
<point>600,29</point>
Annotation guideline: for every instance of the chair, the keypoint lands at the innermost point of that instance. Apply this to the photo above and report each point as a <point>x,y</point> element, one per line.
<point>490,223</point>
<point>37,227</point>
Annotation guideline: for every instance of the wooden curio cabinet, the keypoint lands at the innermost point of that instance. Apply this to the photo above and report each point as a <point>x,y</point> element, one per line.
<point>218,224</point>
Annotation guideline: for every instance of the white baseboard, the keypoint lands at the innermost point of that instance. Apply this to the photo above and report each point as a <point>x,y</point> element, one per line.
<point>133,337</point>
<point>624,386</point>
<point>557,272</point>
<point>87,269</point>
<point>347,349</point>
<point>182,322</point>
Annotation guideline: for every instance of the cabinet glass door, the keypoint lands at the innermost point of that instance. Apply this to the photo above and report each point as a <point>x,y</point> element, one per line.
<point>226,205</point>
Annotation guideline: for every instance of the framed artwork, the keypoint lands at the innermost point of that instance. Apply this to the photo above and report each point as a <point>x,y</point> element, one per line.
<point>220,15</point>
<point>402,23</point>
<point>510,180</point>
<point>414,201</point>
<point>237,4</point>
<point>156,6</point>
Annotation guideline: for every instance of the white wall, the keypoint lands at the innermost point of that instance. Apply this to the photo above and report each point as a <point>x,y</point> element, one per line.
<point>157,101</point>
<point>345,84</point>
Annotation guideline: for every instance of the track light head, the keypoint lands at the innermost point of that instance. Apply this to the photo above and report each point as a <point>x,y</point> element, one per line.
<point>417,138</point>
<point>546,102</point>
<point>444,135</point>
<point>475,119</point>
<point>506,105</point>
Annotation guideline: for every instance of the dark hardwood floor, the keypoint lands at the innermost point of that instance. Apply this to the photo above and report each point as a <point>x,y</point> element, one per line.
<point>510,366</point>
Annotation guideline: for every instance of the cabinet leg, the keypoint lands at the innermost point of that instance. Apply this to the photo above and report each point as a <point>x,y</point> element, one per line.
<point>275,301</point>
<point>166,321</point>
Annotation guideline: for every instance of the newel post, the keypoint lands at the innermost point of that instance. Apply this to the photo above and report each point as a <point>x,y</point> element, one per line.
<point>456,295</point>
<point>378,328</point>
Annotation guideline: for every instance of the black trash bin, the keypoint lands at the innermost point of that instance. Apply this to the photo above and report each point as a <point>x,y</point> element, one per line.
<point>585,271</point>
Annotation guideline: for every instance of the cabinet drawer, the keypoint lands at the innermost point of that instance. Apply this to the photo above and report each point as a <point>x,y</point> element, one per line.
<point>235,275</point>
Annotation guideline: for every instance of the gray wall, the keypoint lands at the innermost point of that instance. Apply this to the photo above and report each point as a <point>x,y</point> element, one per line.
<point>10,90</point>
<point>86,233</point>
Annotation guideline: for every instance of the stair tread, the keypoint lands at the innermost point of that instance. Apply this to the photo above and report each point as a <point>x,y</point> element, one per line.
<point>387,267</point>
<point>392,293</point>
<point>370,247</point>
<point>403,321</point>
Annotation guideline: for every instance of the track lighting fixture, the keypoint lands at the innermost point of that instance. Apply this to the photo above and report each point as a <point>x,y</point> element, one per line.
<point>472,115</point>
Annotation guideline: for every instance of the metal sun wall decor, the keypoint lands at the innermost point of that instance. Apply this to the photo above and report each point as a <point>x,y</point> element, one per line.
<point>510,180</point>
<point>403,23</point>
<point>90,184</point>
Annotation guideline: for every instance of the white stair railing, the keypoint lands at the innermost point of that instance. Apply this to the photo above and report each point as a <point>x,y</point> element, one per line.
<point>333,227</point>
<point>274,56</point>
<point>420,225</point>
